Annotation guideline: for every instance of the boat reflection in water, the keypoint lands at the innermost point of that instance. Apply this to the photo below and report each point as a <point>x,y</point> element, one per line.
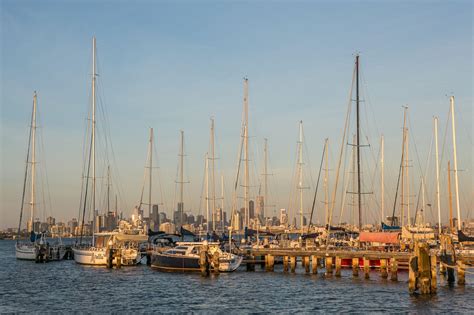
<point>186,255</point>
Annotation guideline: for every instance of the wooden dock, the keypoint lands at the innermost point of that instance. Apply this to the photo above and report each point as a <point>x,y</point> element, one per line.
<point>421,263</point>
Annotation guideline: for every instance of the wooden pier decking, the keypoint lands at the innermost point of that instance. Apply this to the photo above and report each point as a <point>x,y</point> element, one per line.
<point>421,263</point>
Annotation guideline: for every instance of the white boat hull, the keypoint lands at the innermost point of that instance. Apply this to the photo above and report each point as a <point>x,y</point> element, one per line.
<point>229,262</point>
<point>25,251</point>
<point>90,256</point>
<point>98,257</point>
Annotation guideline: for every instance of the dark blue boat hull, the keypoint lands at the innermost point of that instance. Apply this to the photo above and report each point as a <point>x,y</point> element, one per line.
<point>175,263</point>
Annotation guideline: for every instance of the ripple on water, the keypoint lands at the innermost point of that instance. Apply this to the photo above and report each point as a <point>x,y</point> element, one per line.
<point>65,286</point>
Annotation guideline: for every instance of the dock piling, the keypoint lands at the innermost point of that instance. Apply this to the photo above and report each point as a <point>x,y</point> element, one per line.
<point>393,269</point>
<point>306,263</point>
<point>285,263</point>
<point>383,268</point>
<point>292,264</point>
<point>338,266</point>
<point>366,268</point>
<point>328,266</point>
<point>355,267</point>
<point>314,264</point>
<point>269,262</point>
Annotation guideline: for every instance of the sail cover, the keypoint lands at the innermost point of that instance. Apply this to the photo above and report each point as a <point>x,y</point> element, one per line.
<point>380,237</point>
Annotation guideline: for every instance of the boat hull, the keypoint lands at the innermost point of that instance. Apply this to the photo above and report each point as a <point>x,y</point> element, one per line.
<point>90,256</point>
<point>25,251</point>
<point>98,257</point>
<point>229,264</point>
<point>170,263</point>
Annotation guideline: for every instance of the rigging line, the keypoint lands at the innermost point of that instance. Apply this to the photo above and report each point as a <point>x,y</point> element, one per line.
<point>46,174</point>
<point>343,141</point>
<point>317,186</point>
<point>239,164</point>
<point>399,175</point>
<point>202,189</point>
<point>85,196</point>
<point>84,149</point>
<point>414,143</point>
<point>346,181</point>
<point>26,176</point>
<point>147,162</point>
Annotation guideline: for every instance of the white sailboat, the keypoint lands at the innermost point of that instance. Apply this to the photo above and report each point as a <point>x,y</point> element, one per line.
<point>36,247</point>
<point>123,242</point>
<point>27,250</point>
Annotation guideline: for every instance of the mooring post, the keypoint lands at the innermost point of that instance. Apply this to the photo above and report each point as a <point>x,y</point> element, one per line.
<point>285,263</point>
<point>270,262</point>
<point>412,270</point>
<point>393,269</point>
<point>424,268</point>
<point>110,257</point>
<point>461,273</point>
<point>306,263</point>
<point>292,263</point>
<point>314,264</point>
<point>338,266</point>
<point>434,279</point>
<point>366,268</point>
<point>204,262</point>
<point>328,266</point>
<point>355,266</point>
<point>118,258</point>
<point>383,268</point>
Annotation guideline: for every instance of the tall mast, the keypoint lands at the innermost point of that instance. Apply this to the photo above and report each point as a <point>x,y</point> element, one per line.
<point>222,202</point>
<point>354,158</point>
<point>456,183</point>
<point>407,178</point>
<point>150,172</point>
<point>326,183</point>
<point>207,191</point>
<point>181,180</point>
<point>359,199</point>
<point>265,177</point>
<point>108,189</point>
<point>382,176</point>
<point>423,201</point>
<point>402,195</point>
<point>213,176</point>
<point>33,163</point>
<point>300,172</point>
<point>451,225</point>
<point>93,130</point>
<point>246,154</point>
<point>435,121</point>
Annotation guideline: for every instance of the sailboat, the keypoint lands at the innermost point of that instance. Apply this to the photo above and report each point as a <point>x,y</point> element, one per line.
<point>36,248</point>
<point>112,247</point>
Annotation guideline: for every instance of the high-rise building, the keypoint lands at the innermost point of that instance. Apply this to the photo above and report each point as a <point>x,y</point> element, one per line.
<point>260,207</point>
<point>190,219</point>
<point>179,220</point>
<point>283,217</point>
<point>251,209</point>
<point>155,218</point>
<point>51,221</point>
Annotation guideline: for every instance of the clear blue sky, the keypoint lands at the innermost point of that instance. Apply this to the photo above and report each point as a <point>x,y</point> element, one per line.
<point>172,65</point>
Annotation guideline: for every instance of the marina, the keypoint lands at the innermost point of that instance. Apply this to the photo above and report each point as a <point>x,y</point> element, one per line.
<point>210,166</point>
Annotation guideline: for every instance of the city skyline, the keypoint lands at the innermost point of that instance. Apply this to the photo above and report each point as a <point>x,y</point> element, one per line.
<point>153,87</point>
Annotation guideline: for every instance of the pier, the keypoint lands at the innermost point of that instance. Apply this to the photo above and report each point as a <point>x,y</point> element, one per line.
<point>423,264</point>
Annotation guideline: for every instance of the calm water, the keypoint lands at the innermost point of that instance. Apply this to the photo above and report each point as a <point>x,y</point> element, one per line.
<point>65,286</point>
